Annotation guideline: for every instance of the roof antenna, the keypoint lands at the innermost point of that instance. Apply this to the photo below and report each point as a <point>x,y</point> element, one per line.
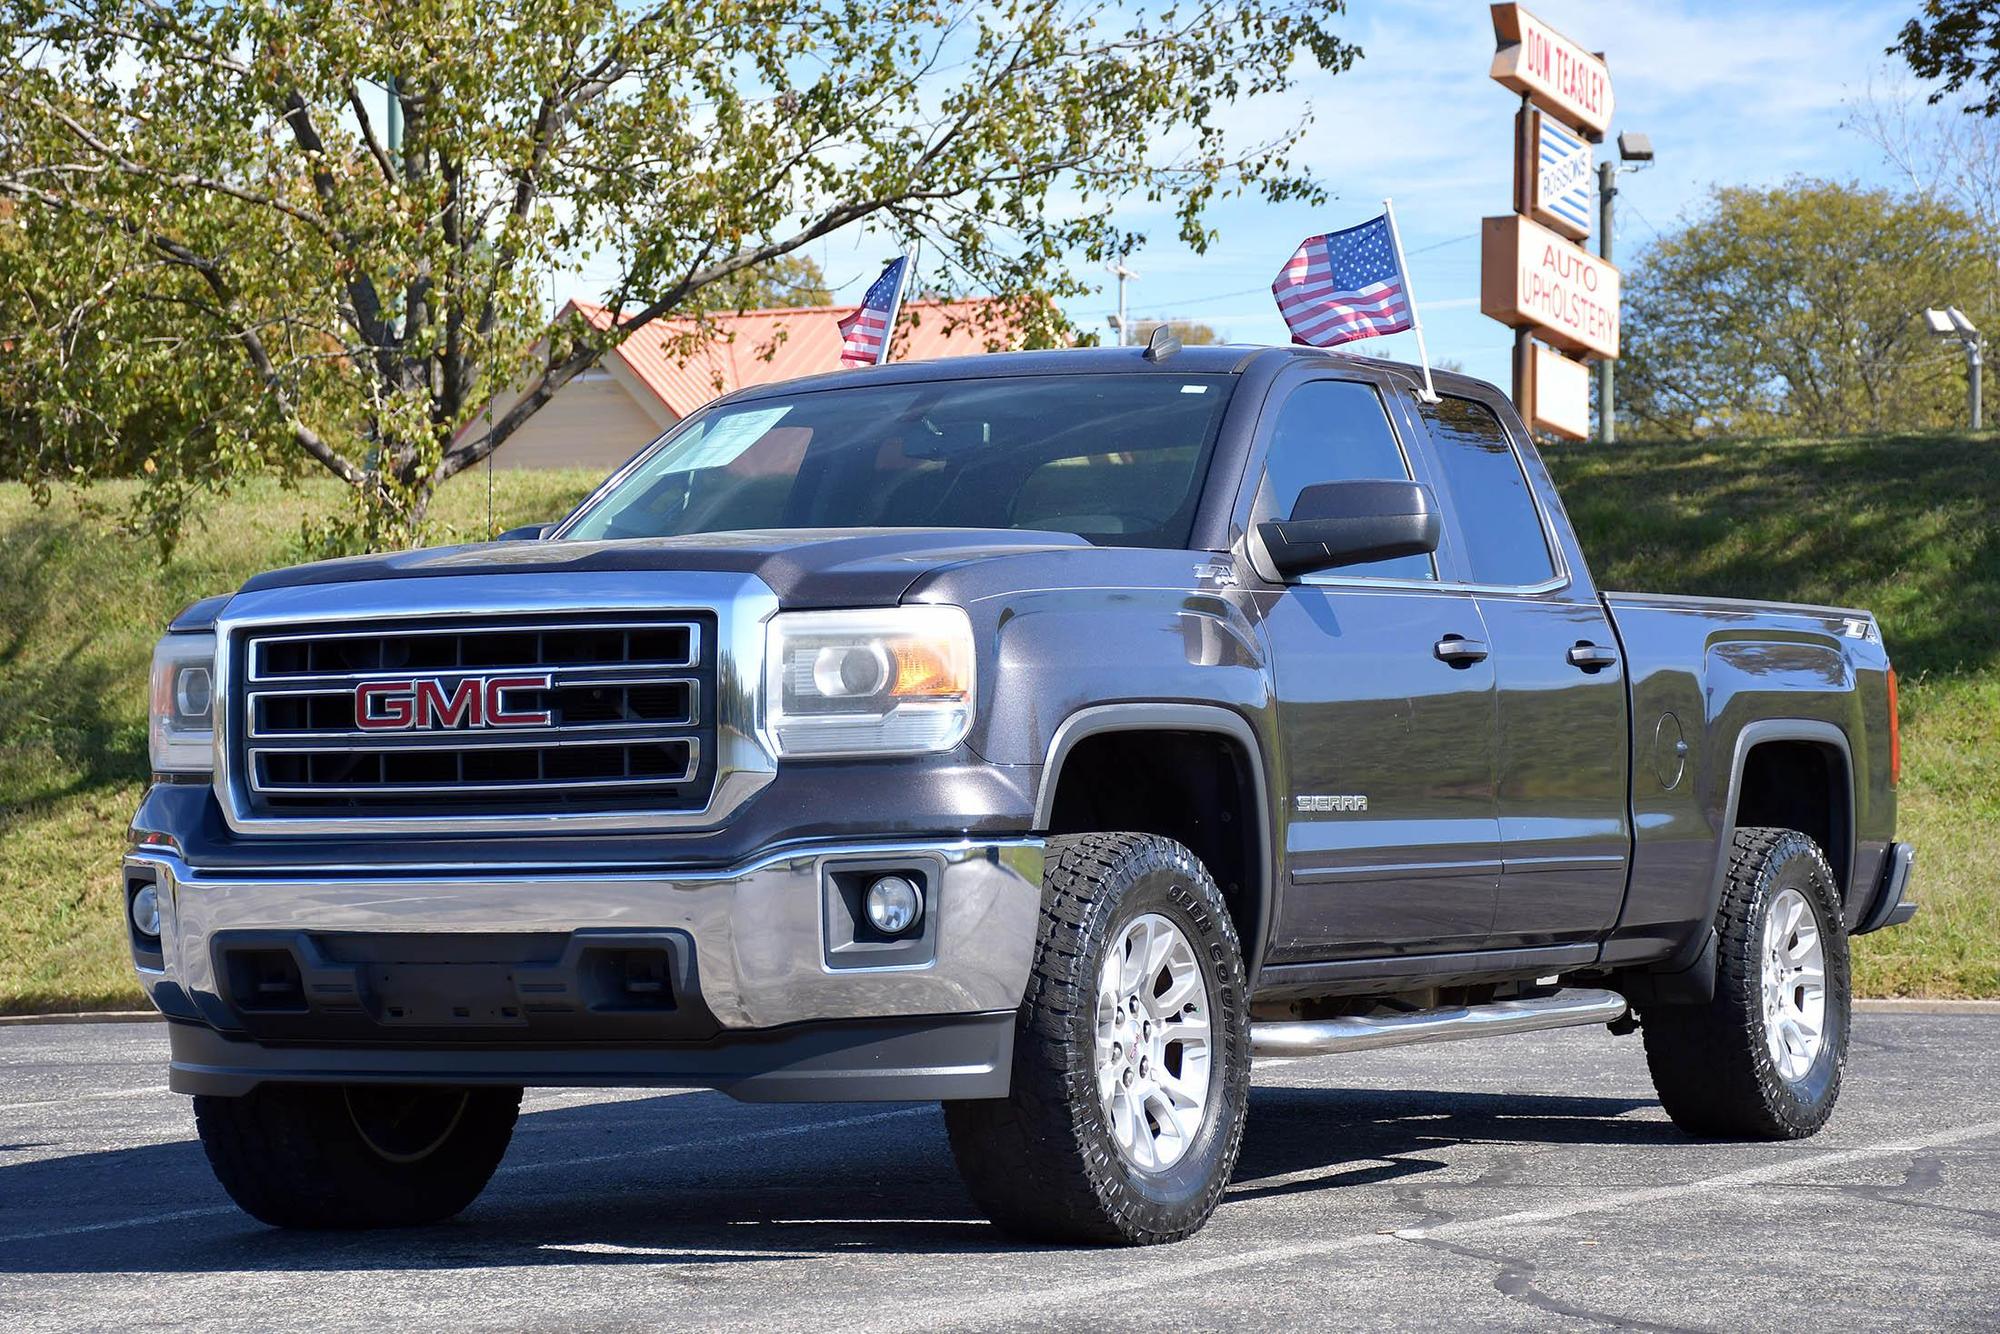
<point>1162,343</point>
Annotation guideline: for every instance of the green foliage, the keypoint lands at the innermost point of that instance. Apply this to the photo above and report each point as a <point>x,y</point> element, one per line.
<point>1798,309</point>
<point>1908,526</point>
<point>225,263</point>
<point>789,280</point>
<point>81,604</point>
<point>1959,45</point>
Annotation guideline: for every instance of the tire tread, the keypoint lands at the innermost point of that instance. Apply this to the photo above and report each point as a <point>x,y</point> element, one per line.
<point>1708,1061</point>
<point>1026,1158</point>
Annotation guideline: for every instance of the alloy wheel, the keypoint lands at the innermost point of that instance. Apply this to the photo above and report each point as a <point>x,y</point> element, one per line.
<point>1153,1042</point>
<point>1794,985</point>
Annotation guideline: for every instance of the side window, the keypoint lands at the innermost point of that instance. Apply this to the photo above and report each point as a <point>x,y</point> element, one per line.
<point>1334,431</point>
<point>1504,538</point>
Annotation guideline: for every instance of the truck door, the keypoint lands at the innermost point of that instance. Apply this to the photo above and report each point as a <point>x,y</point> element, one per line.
<point>1564,741</point>
<point>1385,712</point>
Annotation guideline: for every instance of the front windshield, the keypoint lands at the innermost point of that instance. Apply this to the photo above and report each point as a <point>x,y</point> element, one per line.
<point>1115,459</point>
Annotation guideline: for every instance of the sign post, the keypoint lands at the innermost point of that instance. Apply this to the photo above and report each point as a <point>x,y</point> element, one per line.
<point>1557,297</point>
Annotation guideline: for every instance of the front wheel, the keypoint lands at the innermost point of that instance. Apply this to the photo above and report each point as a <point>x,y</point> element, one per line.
<point>356,1155</point>
<point>1763,1059</point>
<point>1131,1067</point>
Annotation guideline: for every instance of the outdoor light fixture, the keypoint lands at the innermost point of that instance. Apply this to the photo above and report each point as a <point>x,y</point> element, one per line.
<point>1951,322</point>
<point>1635,147</point>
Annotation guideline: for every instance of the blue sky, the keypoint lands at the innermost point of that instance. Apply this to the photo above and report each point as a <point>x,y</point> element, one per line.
<point>1745,93</point>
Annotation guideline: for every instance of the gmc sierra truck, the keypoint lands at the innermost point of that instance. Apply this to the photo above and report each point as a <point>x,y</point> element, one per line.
<point>1047,734</point>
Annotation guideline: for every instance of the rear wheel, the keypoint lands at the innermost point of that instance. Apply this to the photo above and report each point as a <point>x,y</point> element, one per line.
<point>1763,1059</point>
<point>1131,1059</point>
<point>358,1155</point>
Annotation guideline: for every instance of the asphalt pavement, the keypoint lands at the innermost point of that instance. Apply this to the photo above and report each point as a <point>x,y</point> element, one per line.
<point>1526,1182</point>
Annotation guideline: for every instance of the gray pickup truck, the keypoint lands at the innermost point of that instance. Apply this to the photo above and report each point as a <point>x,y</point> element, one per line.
<point>1046,734</point>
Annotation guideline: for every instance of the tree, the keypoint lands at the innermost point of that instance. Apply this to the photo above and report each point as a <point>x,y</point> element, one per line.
<point>1798,308</point>
<point>789,280</point>
<point>230,170</point>
<point>1190,332</point>
<point>1960,45</point>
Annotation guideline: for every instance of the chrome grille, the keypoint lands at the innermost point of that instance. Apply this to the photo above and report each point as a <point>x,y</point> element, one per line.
<point>523,716</point>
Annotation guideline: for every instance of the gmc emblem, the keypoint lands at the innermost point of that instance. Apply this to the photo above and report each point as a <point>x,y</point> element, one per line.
<point>422,702</point>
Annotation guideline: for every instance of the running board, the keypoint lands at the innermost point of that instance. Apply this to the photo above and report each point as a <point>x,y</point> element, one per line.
<point>1322,1037</point>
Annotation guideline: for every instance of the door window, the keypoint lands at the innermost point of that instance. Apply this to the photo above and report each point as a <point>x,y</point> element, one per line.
<point>1334,431</point>
<point>1504,538</point>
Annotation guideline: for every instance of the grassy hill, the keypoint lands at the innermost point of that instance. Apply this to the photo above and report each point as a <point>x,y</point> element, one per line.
<point>80,608</point>
<point>1907,526</point>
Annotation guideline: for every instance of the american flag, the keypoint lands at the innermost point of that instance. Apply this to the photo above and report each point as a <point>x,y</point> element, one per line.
<point>864,335</point>
<point>1343,286</point>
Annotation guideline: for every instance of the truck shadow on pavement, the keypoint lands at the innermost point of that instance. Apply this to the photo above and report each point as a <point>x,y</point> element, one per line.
<point>696,1179</point>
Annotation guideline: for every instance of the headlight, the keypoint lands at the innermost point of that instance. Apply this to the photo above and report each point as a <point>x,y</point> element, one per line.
<point>182,733</point>
<point>897,681</point>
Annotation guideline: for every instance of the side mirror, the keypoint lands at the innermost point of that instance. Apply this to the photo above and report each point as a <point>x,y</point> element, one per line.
<point>527,532</point>
<point>1351,523</point>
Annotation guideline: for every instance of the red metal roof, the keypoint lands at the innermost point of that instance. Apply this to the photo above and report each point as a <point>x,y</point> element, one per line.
<point>686,364</point>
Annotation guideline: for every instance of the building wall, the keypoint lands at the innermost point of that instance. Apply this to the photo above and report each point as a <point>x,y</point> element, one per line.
<point>592,422</point>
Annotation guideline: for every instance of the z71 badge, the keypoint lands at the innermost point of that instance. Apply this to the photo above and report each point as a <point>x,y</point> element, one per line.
<point>1314,804</point>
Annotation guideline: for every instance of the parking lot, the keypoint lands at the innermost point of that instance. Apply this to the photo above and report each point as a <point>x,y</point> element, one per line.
<point>1522,1183</point>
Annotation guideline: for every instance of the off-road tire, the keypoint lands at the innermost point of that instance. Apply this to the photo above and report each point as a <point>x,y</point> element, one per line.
<point>1042,1162</point>
<point>1710,1063</point>
<point>295,1155</point>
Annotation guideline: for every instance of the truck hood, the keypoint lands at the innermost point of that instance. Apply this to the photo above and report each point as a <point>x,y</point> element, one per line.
<point>845,567</point>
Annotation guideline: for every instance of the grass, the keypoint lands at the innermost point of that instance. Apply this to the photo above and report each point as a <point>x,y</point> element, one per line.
<point>80,607</point>
<point>1907,526</point>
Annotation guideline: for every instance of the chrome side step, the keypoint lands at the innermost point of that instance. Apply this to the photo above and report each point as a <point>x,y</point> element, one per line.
<point>1321,1037</point>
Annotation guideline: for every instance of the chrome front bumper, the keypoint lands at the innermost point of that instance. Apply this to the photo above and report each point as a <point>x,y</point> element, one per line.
<point>762,947</point>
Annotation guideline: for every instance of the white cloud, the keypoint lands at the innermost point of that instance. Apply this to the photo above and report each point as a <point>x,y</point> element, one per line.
<point>1731,93</point>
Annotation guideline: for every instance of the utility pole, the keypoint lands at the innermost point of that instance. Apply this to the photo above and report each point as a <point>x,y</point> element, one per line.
<point>1122,321</point>
<point>1607,190</point>
<point>1975,360</point>
<point>395,122</point>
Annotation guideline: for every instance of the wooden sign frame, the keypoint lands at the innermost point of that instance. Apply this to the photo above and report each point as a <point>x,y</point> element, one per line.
<point>1550,70</point>
<point>1532,278</point>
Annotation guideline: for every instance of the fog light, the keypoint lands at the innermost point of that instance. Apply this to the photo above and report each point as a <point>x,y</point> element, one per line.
<point>894,905</point>
<point>146,911</point>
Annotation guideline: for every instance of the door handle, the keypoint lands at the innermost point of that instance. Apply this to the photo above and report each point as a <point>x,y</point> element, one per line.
<point>1459,651</point>
<point>1593,657</point>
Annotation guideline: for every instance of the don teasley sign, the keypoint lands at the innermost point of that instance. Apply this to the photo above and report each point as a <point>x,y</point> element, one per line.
<point>1534,277</point>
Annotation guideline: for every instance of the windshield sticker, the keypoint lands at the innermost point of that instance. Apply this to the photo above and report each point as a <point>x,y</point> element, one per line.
<point>1194,389</point>
<point>724,441</point>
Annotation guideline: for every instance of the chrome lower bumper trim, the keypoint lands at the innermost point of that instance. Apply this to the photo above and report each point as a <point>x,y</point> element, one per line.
<point>759,931</point>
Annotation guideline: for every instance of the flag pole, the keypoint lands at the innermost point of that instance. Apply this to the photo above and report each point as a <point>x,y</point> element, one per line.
<point>896,306</point>
<point>1430,394</point>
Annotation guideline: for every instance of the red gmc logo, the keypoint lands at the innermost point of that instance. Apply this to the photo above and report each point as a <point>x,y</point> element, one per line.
<point>423,702</point>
